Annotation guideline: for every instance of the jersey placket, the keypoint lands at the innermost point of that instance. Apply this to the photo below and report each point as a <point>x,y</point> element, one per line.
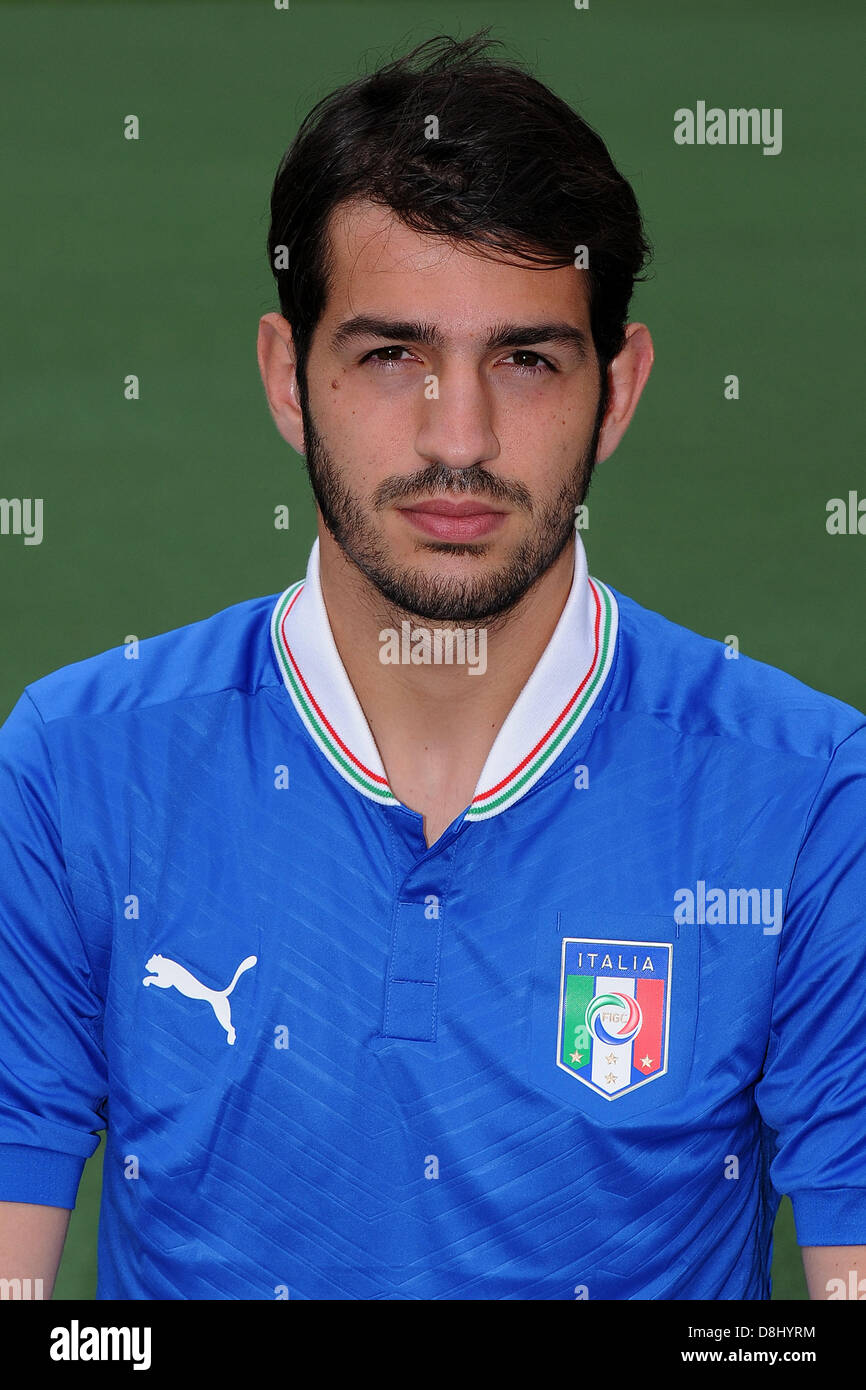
<point>412,977</point>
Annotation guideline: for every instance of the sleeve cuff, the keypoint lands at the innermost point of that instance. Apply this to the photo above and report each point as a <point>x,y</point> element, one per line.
<point>834,1216</point>
<point>42,1176</point>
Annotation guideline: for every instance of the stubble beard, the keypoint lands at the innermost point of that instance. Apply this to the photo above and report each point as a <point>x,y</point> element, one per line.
<point>478,599</point>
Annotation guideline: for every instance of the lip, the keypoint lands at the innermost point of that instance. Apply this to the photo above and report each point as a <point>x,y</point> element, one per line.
<point>464,520</point>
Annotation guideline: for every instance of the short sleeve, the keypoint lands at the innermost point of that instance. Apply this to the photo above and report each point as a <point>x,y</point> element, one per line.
<point>52,1067</point>
<point>813,1089</point>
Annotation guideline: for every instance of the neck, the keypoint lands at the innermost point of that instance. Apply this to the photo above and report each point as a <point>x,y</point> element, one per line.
<point>444,709</point>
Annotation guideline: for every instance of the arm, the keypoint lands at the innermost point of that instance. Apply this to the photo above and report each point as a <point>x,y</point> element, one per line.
<point>812,1094</point>
<point>31,1242</point>
<point>53,1073</point>
<point>835,1271</point>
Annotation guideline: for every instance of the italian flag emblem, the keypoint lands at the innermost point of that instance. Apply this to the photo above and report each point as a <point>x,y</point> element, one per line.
<point>614,1012</point>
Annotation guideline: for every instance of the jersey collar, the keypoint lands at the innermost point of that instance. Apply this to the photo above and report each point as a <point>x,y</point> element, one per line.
<point>549,710</point>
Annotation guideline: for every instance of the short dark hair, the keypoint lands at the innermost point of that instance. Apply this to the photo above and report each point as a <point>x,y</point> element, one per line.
<point>514,170</point>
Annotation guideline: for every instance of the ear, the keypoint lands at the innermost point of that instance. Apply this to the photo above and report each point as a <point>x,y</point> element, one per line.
<point>277,363</point>
<point>627,375</point>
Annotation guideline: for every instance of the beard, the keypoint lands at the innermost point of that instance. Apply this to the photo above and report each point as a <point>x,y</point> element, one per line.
<point>475,599</point>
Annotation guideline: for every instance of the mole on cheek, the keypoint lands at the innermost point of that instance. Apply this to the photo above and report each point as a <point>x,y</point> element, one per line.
<point>334,385</point>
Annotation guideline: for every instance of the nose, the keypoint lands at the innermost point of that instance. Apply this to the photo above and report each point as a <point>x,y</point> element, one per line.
<point>456,424</point>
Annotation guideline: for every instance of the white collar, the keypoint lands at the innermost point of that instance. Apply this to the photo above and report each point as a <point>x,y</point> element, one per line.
<point>550,708</point>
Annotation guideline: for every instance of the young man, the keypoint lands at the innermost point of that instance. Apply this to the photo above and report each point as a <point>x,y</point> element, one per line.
<point>537,973</point>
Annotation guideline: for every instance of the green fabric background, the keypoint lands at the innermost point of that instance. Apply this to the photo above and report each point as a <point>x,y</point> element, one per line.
<point>148,257</point>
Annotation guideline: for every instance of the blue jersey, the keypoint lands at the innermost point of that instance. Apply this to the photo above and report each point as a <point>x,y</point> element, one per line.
<point>576,1048</point>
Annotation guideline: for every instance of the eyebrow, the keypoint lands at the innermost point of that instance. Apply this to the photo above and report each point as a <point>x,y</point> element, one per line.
<point>517,335</point>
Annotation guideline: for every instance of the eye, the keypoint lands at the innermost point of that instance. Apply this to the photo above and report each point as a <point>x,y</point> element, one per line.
<point>537,367</point>
<point>386,361</point>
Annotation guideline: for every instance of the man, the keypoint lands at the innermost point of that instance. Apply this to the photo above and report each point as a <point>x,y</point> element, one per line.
<point>449,926</point>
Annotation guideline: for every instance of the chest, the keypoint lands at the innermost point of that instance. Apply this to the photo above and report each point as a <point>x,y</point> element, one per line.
<point>437,796</point>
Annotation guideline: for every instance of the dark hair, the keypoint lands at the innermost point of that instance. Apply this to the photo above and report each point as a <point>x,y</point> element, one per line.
<point>514,169</point>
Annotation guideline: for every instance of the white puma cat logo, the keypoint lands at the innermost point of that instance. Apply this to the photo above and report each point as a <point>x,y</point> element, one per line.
<point>167,973</point>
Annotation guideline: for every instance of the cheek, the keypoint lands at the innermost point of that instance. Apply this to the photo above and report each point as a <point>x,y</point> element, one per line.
<point>349,442</point>
<point>346,410</point>
<point>367,443</point>
<point>336,415</point>
<point>548,440</point>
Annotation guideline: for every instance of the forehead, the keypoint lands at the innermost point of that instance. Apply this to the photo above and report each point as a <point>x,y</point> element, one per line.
<point>380,266</point>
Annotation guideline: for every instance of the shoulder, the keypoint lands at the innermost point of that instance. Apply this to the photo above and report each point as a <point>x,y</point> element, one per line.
<point>698,687</point>
<point>229,651</point>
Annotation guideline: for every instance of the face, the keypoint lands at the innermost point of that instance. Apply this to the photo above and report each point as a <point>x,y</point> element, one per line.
<point>450,416</point>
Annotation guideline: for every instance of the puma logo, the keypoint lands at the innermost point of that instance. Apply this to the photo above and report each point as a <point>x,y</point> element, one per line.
<point>167,973</point>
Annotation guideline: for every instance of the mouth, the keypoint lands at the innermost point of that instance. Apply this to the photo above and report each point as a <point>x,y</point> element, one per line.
<point>465,520</point>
